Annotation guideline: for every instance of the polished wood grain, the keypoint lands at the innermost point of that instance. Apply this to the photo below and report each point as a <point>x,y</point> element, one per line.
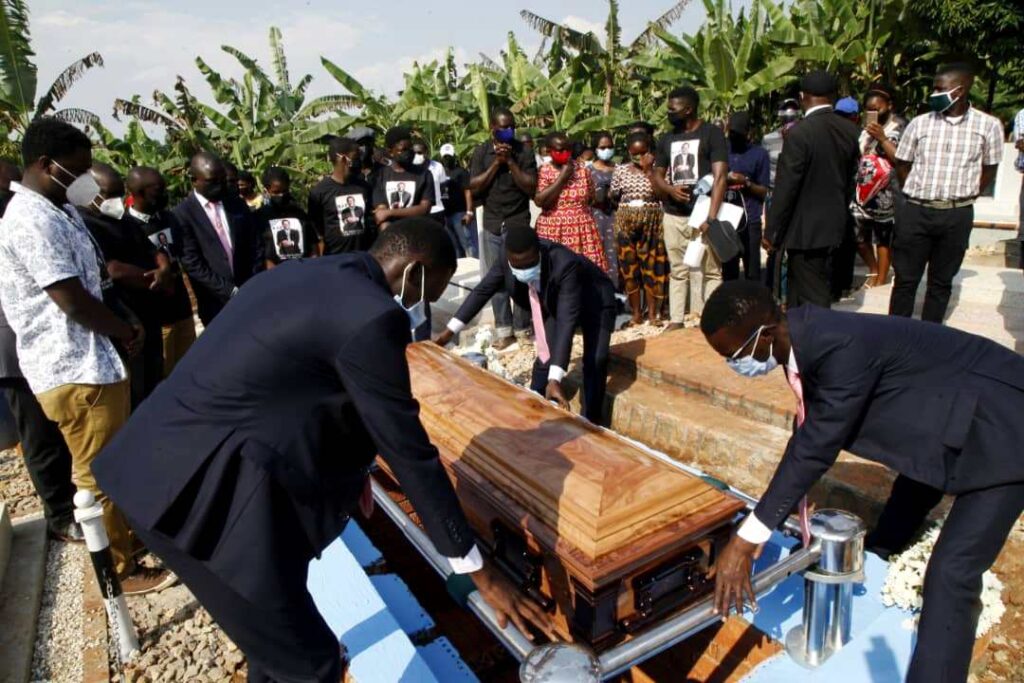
<point>600,503</point>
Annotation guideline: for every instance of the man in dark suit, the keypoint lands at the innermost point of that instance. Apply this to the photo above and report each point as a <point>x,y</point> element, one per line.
<point>221,239</point>
<point>352,214</point>
<point>248,461</point>
<point>814,184</point>
<point>400,198</point>
<point>939,406</point>
<point>684,165</point>
<point>563,290</point>
<point>288,239</point>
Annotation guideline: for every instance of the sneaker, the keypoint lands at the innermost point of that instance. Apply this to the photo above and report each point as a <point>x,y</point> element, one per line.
<point>69,533</point>
<point>503,343</point>
<point>146,580</point>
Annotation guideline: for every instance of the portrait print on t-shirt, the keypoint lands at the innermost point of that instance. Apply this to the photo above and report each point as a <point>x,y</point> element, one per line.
<point>399,193</point>
<point>163,241</point>
<point>287,234</point>
<point>351,213</point>
<point>684,161</point>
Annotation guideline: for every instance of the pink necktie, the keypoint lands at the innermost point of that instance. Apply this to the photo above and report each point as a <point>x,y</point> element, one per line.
<point>222,234</point>
<point>543,353</point>
<point>798,389</point>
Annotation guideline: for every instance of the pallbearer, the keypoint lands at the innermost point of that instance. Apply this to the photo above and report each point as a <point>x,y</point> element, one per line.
<point>247,462</point>
<point>563,290</point>
<point>941,407</point>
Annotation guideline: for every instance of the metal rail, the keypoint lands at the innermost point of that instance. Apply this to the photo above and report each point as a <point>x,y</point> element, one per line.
<point>660,637</point>
<point>643,646</point>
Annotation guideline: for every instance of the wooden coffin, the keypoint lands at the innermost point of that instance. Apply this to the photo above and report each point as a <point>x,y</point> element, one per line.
<point>602,534</point>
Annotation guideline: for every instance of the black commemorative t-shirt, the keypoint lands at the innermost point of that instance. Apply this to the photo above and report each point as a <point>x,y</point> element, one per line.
<point>342,215</point>
<point>687,157</point>
<point>402,189</point>
<point>288,234</point>
<point>453,192</point>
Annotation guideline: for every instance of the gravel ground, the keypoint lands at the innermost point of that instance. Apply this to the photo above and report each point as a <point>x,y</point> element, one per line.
<point>58,654</point>
<point>15,487</point>
<point>179,641</point>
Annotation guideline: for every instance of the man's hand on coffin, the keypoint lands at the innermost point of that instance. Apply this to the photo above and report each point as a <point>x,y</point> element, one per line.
<point>732,576</point>
<point>554,393</point>
<point>508,603</point>
<point>444,338</point>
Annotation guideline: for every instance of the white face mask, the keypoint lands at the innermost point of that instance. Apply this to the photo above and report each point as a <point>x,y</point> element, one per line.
<point>82,190</point>
<point>419,160</point>
<point>605,153</point>
<point>418,311</point>
<point>113,207</point>
<point>748,366</point>
<point>546,159</point>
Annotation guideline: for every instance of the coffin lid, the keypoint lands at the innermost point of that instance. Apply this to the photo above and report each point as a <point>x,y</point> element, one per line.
<point>598,492</point>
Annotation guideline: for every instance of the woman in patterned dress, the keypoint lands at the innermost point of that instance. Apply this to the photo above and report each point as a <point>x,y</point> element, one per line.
<point>643,261</point>
<point>565,192</point>
<point>604,212</point>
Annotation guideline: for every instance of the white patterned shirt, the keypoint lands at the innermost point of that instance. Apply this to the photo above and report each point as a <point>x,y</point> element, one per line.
<point>40,245</point>
<point>948,155</point>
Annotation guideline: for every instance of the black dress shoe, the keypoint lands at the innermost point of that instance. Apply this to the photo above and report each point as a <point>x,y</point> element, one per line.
<point>68,533</point>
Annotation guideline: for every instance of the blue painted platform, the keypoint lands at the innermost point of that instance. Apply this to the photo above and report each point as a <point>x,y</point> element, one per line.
<point>378,619</point>
<point>880,648</point>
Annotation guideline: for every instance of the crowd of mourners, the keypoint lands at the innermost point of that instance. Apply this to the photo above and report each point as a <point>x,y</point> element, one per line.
<point>101,280</point>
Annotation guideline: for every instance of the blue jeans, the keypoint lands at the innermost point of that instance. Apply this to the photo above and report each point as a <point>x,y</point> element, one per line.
<point>468,244</point>
<point>505,319</point>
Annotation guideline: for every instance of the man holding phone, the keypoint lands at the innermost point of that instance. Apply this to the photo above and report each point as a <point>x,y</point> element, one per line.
<point>503,176</point>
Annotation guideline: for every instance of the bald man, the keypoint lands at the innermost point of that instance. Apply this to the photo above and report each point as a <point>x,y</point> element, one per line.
<point>141,274</point>
<point>221,240</point>
<point>148,211</point>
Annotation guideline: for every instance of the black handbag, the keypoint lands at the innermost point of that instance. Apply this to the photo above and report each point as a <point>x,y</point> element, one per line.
<point>723,240</point>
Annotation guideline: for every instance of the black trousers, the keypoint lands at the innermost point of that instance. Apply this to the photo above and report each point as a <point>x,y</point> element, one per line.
<point>47,457</point>
<point>844,260</point>
<point>936,238</point>
<point>906,510</point>
<point>597,335</point>
<point>970,541</point>
<point>291,644</point>
<point>750,236</point>
<point>809,279</point>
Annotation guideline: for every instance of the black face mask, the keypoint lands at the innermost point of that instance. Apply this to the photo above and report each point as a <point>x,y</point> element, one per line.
<point>677,119</point>
<point>365,157</point>
<point>215,192</point>
<point>405,158</point>
<point>738,141</point>
<point>280,200</point>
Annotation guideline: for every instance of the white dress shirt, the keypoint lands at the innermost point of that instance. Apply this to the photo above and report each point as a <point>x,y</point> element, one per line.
<point>753,530</point>
<point>814,109</point>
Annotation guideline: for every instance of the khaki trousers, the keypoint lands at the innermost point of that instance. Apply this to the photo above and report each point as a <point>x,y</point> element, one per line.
<point>678,235</point>
<point>178,338</point>
<point>89,415</point>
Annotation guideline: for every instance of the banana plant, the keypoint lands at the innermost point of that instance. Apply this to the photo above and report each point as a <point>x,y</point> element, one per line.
<point>18,76</point>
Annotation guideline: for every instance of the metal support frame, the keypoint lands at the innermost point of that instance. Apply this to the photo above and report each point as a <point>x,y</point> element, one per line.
<point>644,645</point>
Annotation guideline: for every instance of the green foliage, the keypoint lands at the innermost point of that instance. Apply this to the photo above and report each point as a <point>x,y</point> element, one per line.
<point>578,82</point>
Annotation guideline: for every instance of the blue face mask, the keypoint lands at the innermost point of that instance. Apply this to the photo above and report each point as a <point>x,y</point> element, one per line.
<point>748,366</point>
<point>505,135</point>
<point>417,312</point>
<point>526,275</point>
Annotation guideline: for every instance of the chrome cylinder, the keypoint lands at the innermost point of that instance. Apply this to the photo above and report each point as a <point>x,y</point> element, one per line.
<point>828,588</point>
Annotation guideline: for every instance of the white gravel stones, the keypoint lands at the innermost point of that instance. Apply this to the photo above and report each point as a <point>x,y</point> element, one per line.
<point>59,639</point>
<point>15,486</point>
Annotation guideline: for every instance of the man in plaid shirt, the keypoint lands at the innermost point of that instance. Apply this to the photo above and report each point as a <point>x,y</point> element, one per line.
<point>945,159</point>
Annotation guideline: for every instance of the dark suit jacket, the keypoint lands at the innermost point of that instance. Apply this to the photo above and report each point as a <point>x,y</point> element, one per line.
<point>571,287</point>
<point>400,199</point>
<point>203,258</point>
<point>265,430</point>
<point>814,183</point>
<point>938,405</point>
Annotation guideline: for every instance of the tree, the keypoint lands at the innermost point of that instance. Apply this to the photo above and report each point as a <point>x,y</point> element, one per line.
<point>608,64</point>
<point>18,77</point>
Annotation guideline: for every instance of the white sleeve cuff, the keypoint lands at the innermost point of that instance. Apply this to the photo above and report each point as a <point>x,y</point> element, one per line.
<point>472,562</point>
<point>455,325</point>
<point>753,531</point>
<point>234,291</point>
<point>555,374</point>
